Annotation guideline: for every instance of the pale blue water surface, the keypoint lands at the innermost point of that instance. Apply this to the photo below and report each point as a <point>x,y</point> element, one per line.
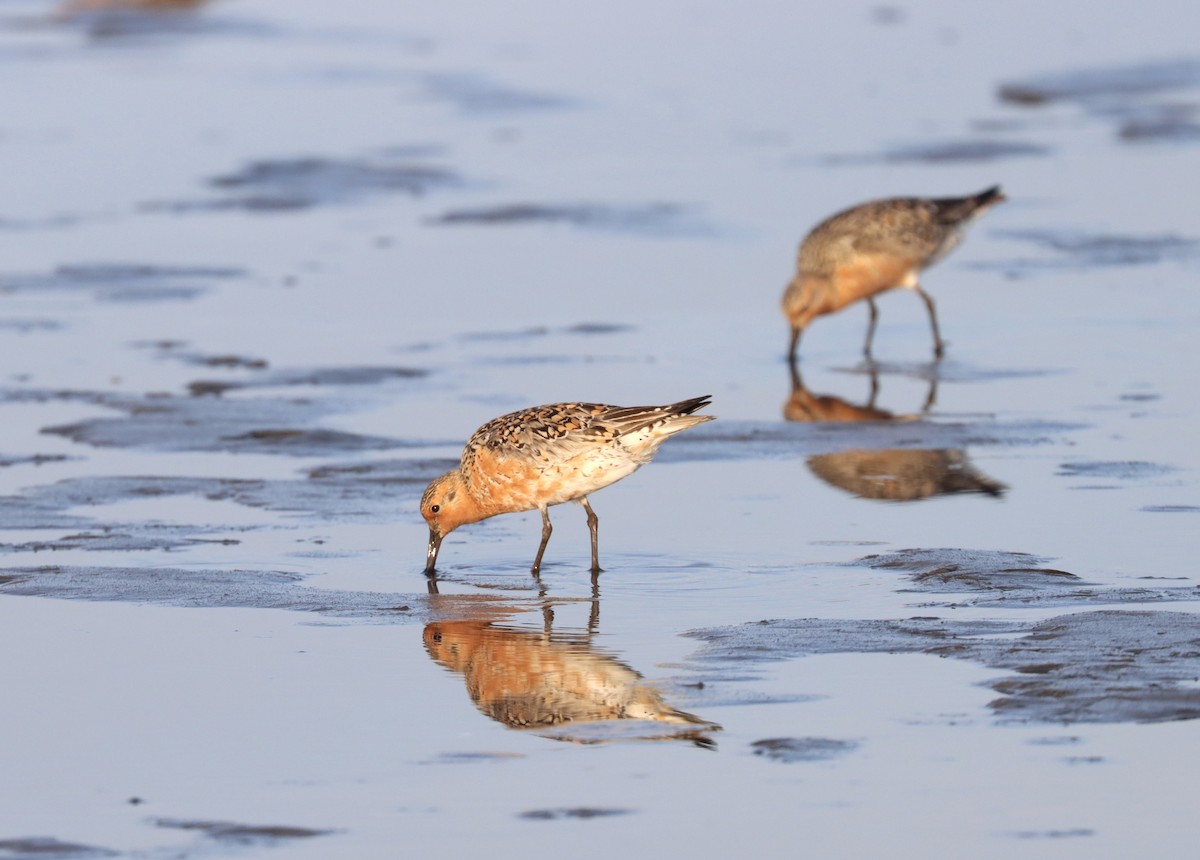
<point>264,266</point>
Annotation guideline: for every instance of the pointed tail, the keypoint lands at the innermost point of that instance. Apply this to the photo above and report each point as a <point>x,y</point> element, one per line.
<point>989,198</point>
<point>953,211</point>
<point>679,415</point>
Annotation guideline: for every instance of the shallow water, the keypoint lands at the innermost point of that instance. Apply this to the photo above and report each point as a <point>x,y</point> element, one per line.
<point>266,264</point>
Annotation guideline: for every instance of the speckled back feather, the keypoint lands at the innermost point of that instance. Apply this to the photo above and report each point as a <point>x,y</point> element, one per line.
<point>559,431</point>
<point>545,456</point>
<point>919,229</point>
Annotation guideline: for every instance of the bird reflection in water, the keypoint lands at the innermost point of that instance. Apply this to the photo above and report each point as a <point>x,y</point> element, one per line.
<point>557,683</point>
<point>892,474</point>
<point>808,408</point>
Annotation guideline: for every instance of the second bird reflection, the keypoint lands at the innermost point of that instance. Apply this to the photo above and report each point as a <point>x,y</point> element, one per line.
<point>557,684</point>
<point>892,474</point>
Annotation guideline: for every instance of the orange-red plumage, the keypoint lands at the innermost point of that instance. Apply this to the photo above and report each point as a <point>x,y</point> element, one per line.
<point>547,455</point>
<point>874,247</point>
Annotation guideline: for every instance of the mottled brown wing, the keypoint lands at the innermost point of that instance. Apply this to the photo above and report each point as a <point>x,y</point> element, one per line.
<point>905,227</point>
<point>558,432</point>
<point>541,435</point>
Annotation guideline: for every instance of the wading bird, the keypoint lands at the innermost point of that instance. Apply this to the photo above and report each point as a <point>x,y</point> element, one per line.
<point>874,247</point>
<point>547,455</point>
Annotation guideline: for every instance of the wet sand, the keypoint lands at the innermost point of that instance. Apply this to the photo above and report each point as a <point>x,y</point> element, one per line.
<point>266,265</point>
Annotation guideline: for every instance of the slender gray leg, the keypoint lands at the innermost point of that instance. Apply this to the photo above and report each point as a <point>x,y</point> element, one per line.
<point>874,386</point>
<point>593,521</point>
<point>871,325</point>
<point>795,344</point>
<point>932,398</point>
<point>938,347</point>
<point>546,529</point>
<point>797,381</point>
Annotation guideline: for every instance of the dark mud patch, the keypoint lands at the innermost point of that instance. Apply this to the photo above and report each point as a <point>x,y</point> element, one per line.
<point>1100,87</point>
<point>971,570</point>
<point>293,184</point>
<point>177,350</point>
<point>116,23</point>
<point>997,578</point>
<point>212,588</point>
<point>370,491</point>
<point>227,431</point>
<point>49,848</point>
<point>528,333</point>
<point>382,473</point>
<point>750,440</point>
<point>474,757</point>
<point>1117,470</point>
<point>795,750</point>
<point>943,152</point>
<point>123,282</point>
<point>165,422</point>
<point>230,833</point>
<point>1075,250</point>
<point>591,328</point>
<point>60,221</point>
<point>318,376</point>
<point>560,358</point>
<point>654,219</point>
<point>575,812</point>
<point>479,94</point>
<point>251,372</point>
<point>1171,125</point>
<point>31,460</point>
<point>1071,833</point>
<point>144,537</point>
<point>1129,97</point>
<point>727,689</point>
<point>366,489</point>
<point>1140,397</point>
<point>540,331</point>
<point>37,512</point>
<point>26,326</point>
<point>947,370</point>
<point>565,337</point>
<point>888,16</point>
<point>1056,741</point>
<point>1171,509</point>
<point>1093,667</point>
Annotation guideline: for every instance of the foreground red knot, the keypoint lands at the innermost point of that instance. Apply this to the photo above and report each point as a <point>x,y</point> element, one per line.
<point>877,246</point>
<point>545,456</point>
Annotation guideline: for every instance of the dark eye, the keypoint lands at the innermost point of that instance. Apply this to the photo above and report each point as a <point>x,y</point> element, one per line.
<point>435,509</point>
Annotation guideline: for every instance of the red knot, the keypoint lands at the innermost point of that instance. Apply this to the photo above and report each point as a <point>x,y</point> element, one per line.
<point>877,246</point>
<point>547,455</point>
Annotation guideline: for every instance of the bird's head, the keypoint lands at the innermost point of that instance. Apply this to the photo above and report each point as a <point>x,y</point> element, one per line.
<point>446,505</point>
